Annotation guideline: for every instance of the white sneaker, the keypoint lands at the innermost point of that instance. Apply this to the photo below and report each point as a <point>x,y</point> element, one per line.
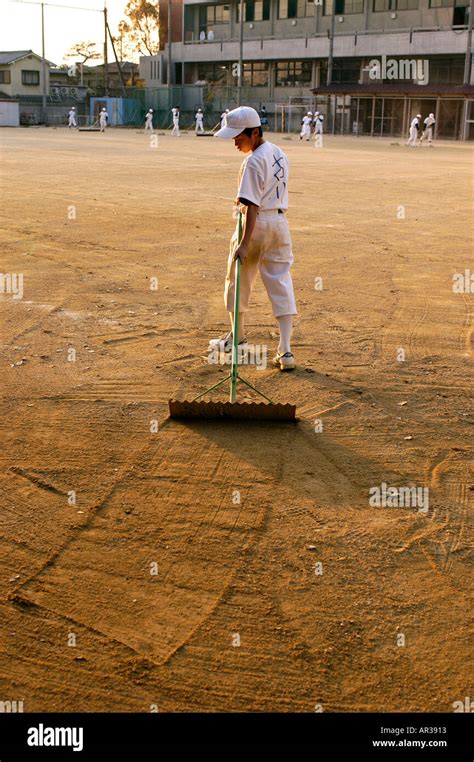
<point>224,343</point>
<point>284,362</point>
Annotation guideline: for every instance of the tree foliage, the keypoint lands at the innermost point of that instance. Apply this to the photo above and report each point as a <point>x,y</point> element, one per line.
<point>141,28</point>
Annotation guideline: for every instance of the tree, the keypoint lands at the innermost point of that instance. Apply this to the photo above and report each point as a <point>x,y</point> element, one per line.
<point>142,29</point>
<point>86,50</point>
<point>123,44</point>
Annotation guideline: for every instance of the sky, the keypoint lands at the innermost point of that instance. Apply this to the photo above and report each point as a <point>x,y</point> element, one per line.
<point>20,26</point>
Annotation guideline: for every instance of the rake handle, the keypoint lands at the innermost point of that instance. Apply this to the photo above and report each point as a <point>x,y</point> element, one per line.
<point>235,334</point>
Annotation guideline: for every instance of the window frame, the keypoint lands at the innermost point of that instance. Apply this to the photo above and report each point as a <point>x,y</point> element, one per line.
<point>30,71</point>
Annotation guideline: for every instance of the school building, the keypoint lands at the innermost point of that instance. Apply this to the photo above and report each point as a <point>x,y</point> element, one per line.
<point>299,55</point>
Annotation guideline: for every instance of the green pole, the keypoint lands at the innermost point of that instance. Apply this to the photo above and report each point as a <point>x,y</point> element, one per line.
<point>235,335</point>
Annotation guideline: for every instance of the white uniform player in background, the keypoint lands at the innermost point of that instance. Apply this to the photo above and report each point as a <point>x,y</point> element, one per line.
<point>306,126</point>
<point>103,117</point>
<point>175,131</point>
<point>72,118</point>
<point>318,122</point>
<point>199,121</point>
<point>414,126</point>
<point>149,120</point>
<point>223,115</point>
<point>429,123</point>
<point>266,243</point>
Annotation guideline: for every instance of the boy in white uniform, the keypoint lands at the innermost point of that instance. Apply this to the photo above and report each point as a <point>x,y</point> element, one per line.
<point>223,115</point>
<point>149,120</point>
<point>175,112</point>
<point>72,117</point>
<point>199,118</point>
<point>306,126</point>
<point>318,123</point>
<point>415,123</point>
<point>103,120</point>
<point>266,242</point>
<point>428,130</point>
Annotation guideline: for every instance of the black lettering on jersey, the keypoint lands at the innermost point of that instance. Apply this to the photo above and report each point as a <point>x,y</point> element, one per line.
<point>279,175</point>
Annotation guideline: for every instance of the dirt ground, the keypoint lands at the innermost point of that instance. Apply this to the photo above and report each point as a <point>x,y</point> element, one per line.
<point>135,561</point>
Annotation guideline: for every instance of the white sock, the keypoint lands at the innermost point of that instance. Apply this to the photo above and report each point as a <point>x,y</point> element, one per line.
<point>286,327</point>
<point>241,323</point>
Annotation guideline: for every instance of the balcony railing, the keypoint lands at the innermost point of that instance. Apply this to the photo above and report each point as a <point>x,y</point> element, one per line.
<point>349,33</point>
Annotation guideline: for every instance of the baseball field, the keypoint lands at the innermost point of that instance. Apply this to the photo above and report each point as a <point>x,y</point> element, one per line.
<point>157,565</point>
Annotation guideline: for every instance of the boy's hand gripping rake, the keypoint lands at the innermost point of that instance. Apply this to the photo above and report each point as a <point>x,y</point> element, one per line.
<point>198,408</point>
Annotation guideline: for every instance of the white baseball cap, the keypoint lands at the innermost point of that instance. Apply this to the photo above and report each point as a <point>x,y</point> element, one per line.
<point>238,120</point>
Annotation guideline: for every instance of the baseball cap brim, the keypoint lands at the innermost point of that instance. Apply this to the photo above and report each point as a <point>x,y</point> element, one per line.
<point>228,132</point>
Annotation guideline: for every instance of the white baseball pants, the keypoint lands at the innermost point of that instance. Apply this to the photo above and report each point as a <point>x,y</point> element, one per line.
<point>269,253</point>
<point>413,136</point>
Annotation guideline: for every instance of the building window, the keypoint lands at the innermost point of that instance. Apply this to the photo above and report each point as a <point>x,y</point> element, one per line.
<point>255,10</point>
<point>210,15</point>
<point>213,72</point>
<point>293,73</point>
<point>5,77</point>
<point>255,74</point>
<point>29,77</point>
<point>396,5</point>
<point>344,7</point>
<point>291,9</point>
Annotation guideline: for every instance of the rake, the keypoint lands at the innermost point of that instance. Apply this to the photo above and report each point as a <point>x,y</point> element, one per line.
<point>258,411</point>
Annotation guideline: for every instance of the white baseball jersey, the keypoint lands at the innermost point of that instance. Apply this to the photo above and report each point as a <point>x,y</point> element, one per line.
<point>414,123</point>
<point>175,113</point>
<point>199,116</point>
<point>429,122</point>
<point>307,121</point>
<point>263,178</point>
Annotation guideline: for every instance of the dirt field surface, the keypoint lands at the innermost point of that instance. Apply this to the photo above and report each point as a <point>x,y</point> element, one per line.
<point>215,566</point>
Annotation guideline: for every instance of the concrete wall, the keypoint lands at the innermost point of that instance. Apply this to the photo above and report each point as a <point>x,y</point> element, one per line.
<point>9,114</point>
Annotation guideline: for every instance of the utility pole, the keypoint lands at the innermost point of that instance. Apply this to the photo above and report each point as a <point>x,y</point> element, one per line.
<point>170,78</point>
<point>331,44</point>
<point>106,63</point>
<point>241,54</point>
<point>467,62</point>
<point>44,111</point>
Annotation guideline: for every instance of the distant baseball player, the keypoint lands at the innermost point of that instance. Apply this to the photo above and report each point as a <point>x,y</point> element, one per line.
<point>264,118</point>
<point>305,133</point>
<point>429,123</point>
<point>318,122</point>
<point>414,127</point>
<point>223,115</point>
<point>103,119</point>
<point>72,118</point>
<point>149,120</point>
<point>266,243</point>
<point>175,131</point>
<point>199,117</point>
